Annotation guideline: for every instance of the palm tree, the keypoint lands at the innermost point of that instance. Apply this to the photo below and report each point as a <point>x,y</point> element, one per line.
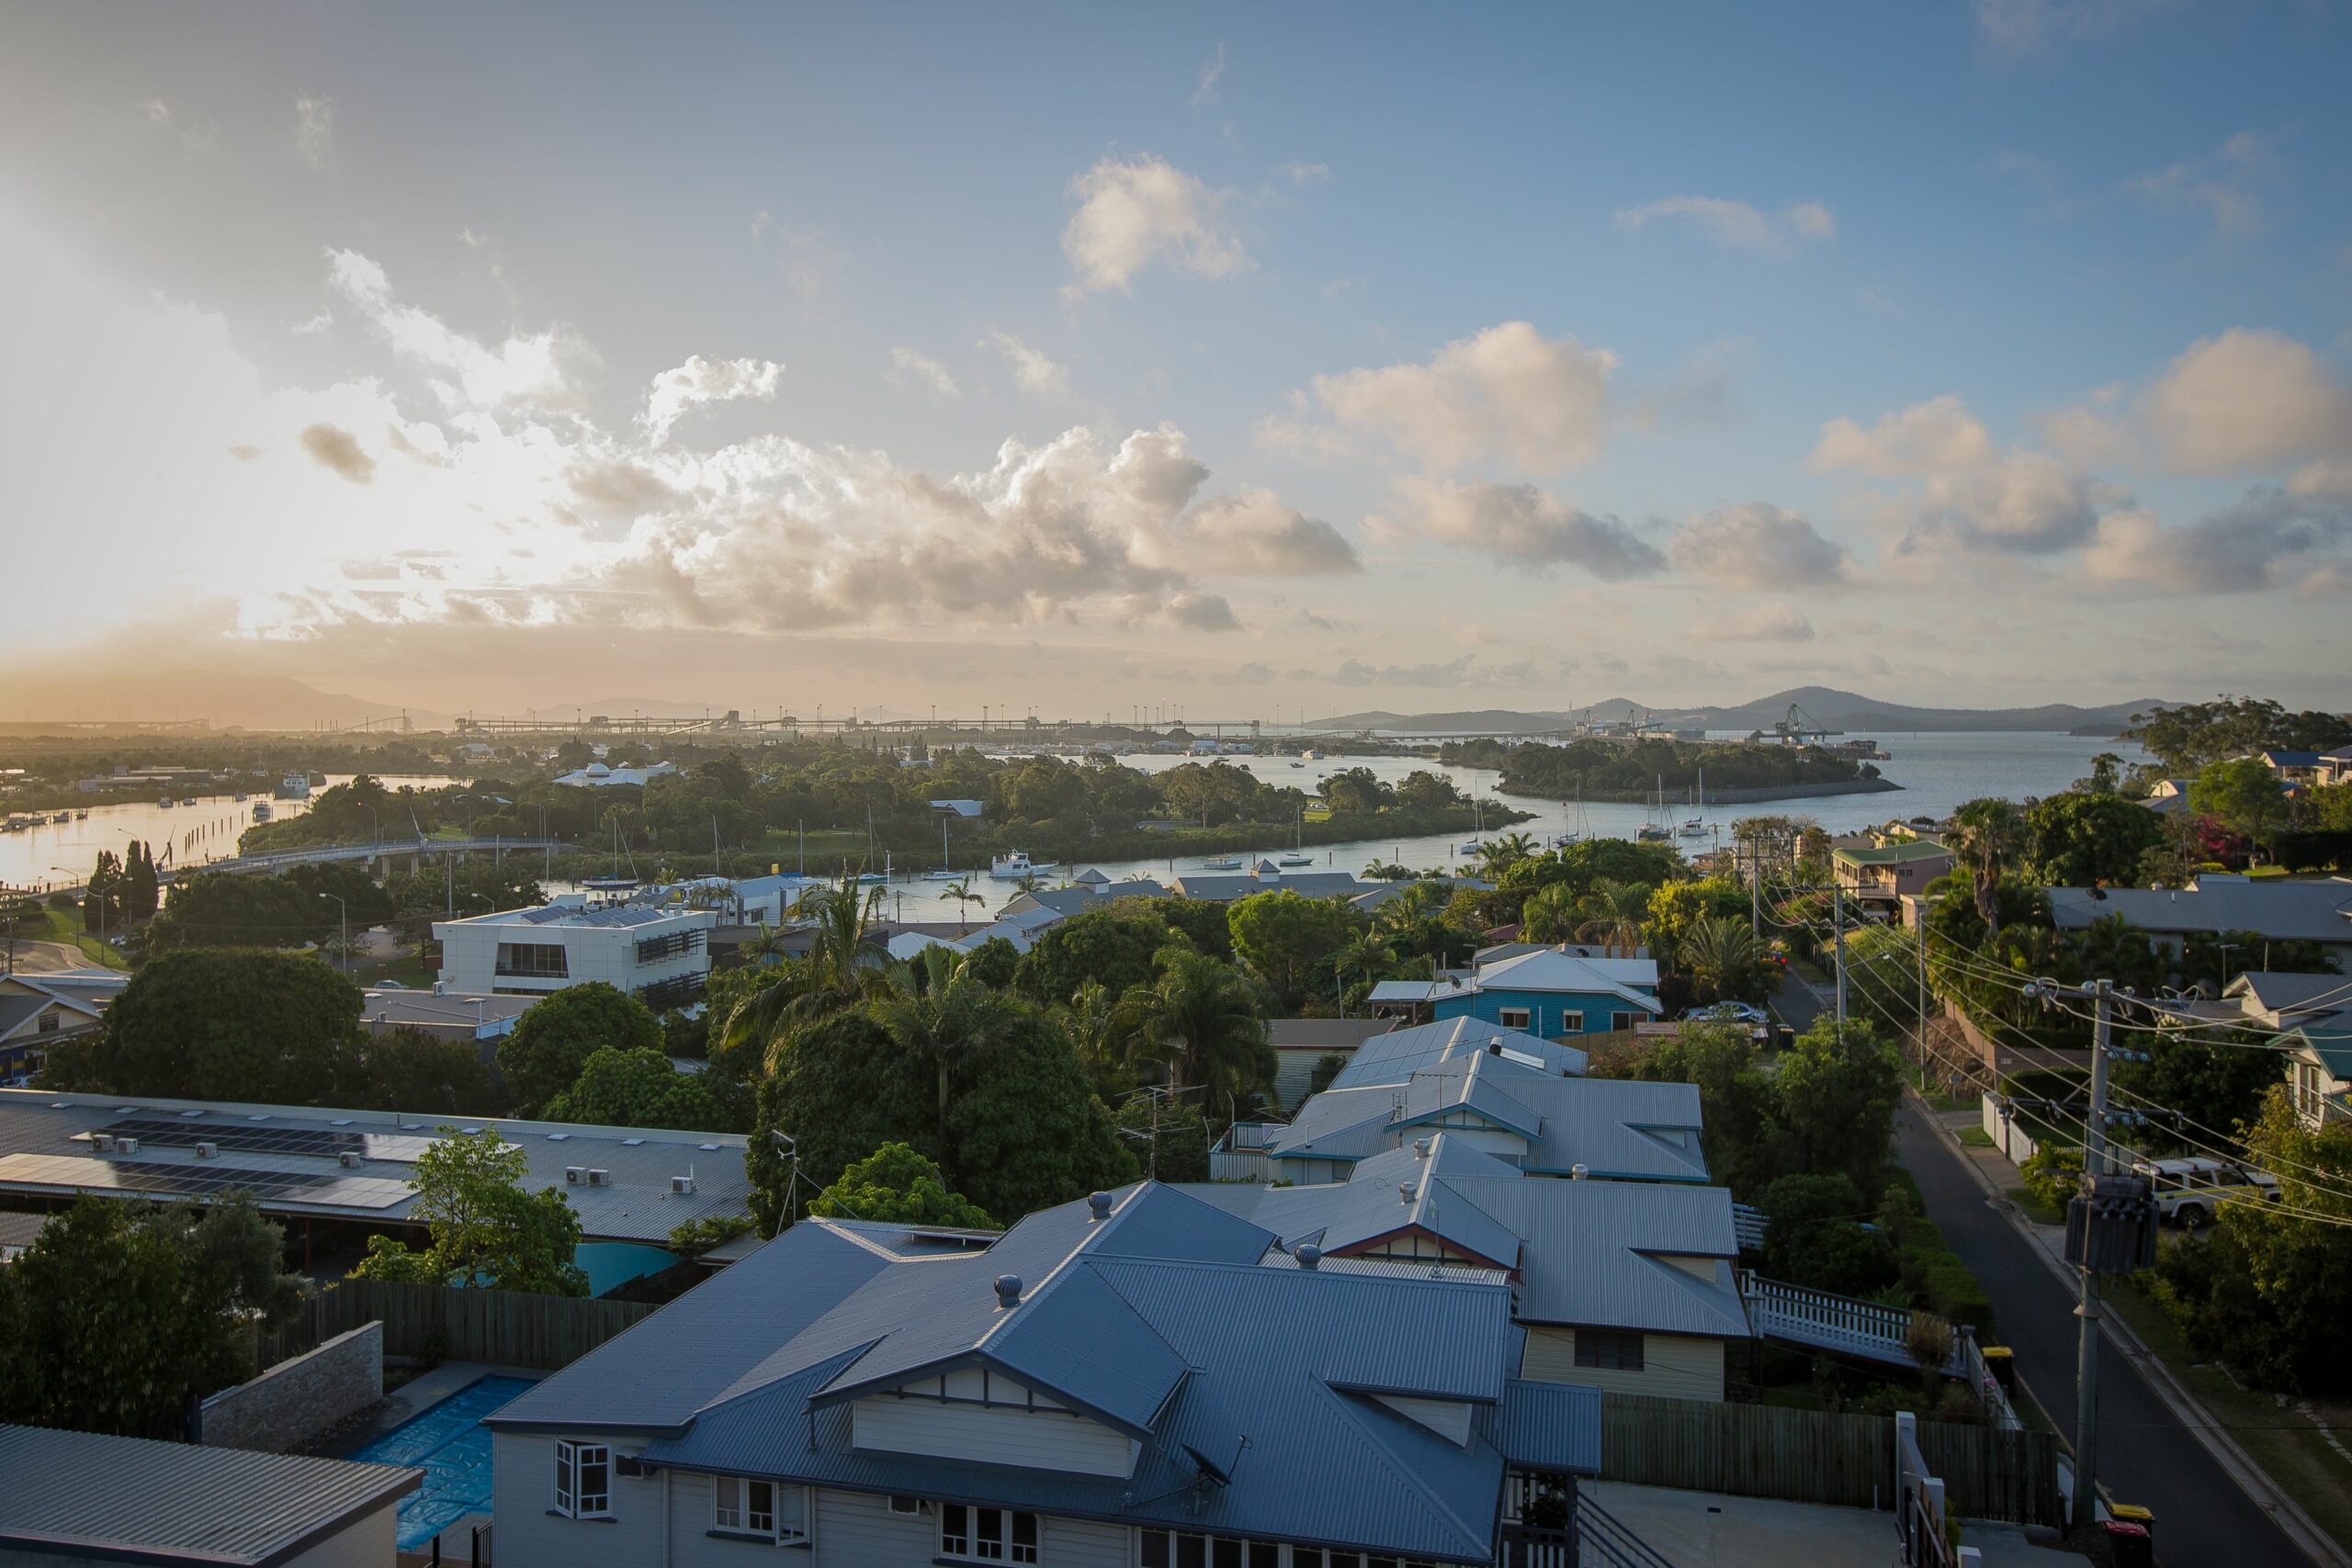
<point>1549,914</point>
<point>1720,955</point>
<point>1099,1031</point>
<point>1984,834</point>
<point>1363,954</point>
<point>1201,1019</point>
<point>1614,913</point>
<point>961,891</point>
<point>1496,854</point>
<point>937,1011</point>
<point>840,966</point>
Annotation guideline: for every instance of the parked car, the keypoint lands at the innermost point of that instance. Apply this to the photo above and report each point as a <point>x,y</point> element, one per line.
<point>2189,1193</point>
<point>1727,1012</point>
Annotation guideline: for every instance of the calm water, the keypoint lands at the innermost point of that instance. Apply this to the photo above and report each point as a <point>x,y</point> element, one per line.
<point>60,854</point>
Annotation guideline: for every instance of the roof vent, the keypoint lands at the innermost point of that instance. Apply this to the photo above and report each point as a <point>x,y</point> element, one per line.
<point>1308,1255</point>
<point>1579,1171</point>
<point>1099,1203</point>
<point>1420,1148</point>
<point>1404,1192</point>
<point>1007,1291</point>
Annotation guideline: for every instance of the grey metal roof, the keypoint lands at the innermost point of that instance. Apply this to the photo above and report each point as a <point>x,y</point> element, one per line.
<point>1394,1057</point>
<point>1226,887</point>
<point>2308,911</point>
<point>1163,1305</point>
<point>45,1150</point>
<point>1552,1426</point>
<point>17,1009</point>
<point>129,1499</point>
<point>2276,991</point>
<point>1552,971</point>
<point>621,914</point>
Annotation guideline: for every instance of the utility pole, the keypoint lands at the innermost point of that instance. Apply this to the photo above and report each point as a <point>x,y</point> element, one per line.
<point>2086,1345</point>
<point>1838,931</point>
<point>1755,891</point>
<point>1923,991</point>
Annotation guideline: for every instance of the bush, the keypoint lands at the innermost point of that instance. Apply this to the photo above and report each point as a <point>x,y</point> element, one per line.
<point>2053,1174</point>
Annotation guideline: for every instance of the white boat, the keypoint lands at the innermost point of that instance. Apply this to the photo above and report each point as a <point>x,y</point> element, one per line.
<point>1222,863</point>
<point>1294,859</point>
<point>294,786</point>
<point>1016,865</point>
<point>1560,840</point>
<point>1312,755</point>
<point>167,803</point>
<point>83,815</point>
<point>943,875</point>
<point>1472,848</point>
<point>1298,764</point>
<point>1694,828</point>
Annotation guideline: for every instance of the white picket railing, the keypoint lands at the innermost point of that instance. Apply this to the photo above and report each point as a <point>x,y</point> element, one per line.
<point>1828,1322</point>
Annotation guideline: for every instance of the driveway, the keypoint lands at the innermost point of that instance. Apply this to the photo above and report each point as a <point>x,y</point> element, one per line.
<point>2146,1456</point>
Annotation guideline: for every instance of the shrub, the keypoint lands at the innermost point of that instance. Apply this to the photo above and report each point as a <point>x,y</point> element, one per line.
<point>2053,1174</point>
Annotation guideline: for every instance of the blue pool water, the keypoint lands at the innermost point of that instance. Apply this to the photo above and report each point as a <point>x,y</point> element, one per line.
<point>449,1443</point>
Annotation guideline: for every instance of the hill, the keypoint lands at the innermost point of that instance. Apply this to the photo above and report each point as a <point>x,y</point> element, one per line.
<point>1824,706</point>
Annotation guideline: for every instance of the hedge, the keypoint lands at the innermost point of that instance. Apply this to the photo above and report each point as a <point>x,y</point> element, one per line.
<point>2314,848</point>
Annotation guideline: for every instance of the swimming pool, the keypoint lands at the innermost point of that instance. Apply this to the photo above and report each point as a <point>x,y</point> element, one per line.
<point>449,1443</point>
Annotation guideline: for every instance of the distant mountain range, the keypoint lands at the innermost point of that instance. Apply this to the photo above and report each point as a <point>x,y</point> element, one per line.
<point>1823,707</point>
<point>225,701</point>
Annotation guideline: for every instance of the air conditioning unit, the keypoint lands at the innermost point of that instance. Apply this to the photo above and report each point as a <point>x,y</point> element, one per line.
<point>102,1143</point>
<point>682,1186</point>
<point>907,1506</point>
<point>349,1159</point>
<point>208,1151</point>
<point>126,1146</point>
<point>574,1174</point>
<point>599,1177</point>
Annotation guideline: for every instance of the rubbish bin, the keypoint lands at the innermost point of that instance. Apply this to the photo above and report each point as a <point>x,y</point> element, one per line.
<point>2003,1364</point>
<point>1788,1037</point>
<point>2126,1544</point>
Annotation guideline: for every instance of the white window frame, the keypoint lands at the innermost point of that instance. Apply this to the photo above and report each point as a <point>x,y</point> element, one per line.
<point>1519,1018</point>
<point>1007,1546</point>
<point>571,1459</point>
<point>742,1516</point>
<point>1571,1021</point>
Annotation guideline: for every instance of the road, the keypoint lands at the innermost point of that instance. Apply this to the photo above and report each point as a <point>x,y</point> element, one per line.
<point>2146,1456</point>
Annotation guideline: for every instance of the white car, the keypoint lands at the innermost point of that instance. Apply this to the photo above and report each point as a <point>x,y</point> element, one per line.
<point>1728,1012</point>
<point>2189,1193</point>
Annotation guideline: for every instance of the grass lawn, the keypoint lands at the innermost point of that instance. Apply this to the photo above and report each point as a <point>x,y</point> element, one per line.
<point>2285,1444</point>
<point>58,925</point>
<point>2040,1214</point>
<point>408,969</point>
<point>1974,1138</point>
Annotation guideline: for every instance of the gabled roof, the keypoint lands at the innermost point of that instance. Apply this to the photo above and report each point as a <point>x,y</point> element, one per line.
<point>1552,971</point>
<point>2288,911</point>
<point>2278,992</point>
<point>1398,1054</point>
<point>1895,854</point>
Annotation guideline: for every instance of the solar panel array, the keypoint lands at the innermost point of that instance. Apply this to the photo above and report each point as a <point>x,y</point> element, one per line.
<point>204,1181</point>
<point>265,1137</point>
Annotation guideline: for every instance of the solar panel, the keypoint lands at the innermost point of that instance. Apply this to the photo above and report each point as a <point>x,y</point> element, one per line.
<point>267,1138</point>
<point>157,1179</point>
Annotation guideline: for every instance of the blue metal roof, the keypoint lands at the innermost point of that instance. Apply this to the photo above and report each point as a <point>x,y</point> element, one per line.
<point>1550,1426</point>
<point>1393,1057</point>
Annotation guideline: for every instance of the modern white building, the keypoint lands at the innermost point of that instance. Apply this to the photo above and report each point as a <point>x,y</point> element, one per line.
<point>659,954</point>
<point>601,775</point>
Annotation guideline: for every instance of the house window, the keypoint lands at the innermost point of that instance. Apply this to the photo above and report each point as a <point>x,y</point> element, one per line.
<point>49,1021</point>
<point>741,1506</point>
<point>987,1535</point>
<point>1609,1352</point>
<point>1316,1557</point>
<point>533,960</point>
<point>583,1487</point>
<point>1622,1022</point>
<point>1184,1548</point>
<point>1513,1018</point>
<point>1572,1023</point>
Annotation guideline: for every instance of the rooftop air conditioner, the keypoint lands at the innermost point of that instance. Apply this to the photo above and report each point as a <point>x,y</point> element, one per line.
<point>682,1186</point>
<point>599,1177</point>
<point>208,1151</point>
<point>574,1174</point>
<point>102,1143</point>
<point>126,1146</point>
<point>348,1158</point>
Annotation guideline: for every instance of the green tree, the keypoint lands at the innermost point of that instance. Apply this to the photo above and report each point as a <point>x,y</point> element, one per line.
<point>1815,1234</point>
<point>486,1229</point>
<point>2075,840</point>
<point>1504,851</point>
<point>215,1025</point>
<point>1677,908</point>
<point>219,908</point>
<point>2244,795</point>
<point>1202,923</point>
<point>1836,1095</point>
<point>2185,739</point>
<point>2217,1083</point>
<point>841,968</point>
<point>412,1070</point>
<point>839,1088</point>
<point>1735,1096</point>
<point>944,1021</point>
<point>1986,833</point>
<point>1111,947</point>
<point>1026,1129</point>
<point>1725,961</point>
<point>1283,935</point>
<point>643,1089</point>
<point>1169,1138</point>
<point>1550,914</point>
<point>1203,1022</point>
<point>542,1055</point>
<point>1613,915</point>
<point>896,1185</point>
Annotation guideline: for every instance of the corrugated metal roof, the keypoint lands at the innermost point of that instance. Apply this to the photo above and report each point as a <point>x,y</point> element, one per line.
<point>1552,1426</point>
<point>2310,911</point>
<point>88,1494</point>
<point>1397,1056</point>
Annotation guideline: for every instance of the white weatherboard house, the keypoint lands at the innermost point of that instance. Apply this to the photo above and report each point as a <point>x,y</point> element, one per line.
<point>658,953</point>
<point>1136,1381</point>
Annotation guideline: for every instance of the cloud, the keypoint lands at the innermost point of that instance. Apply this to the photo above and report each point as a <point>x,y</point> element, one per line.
<point>1031,367</point>
<point>243,451</point>
<point>1210,73</point>
<point>196,137</point>
<point>925,369</point>
<point>1191,610</point>
<point>338,449</point>
<point>314,325</point>
<point>1299,173</point>
<point>2015,30</point>
<point>2273,538</point>
<point>1507,392</point>
<point>1521,526</point>
<point>2221,182</point>
<point>1257,534</point>
<point>2248,398</point>
<point>1133,212</point>
<point>1970,490</point>
<point>538,370</point>
<point>699,381</point>
<point>471,240</point>
<point>1736,226</point>
<point>1765,623</point>
<point>314,128</point>
<point>1463,672</point>
<point>1756,545</point>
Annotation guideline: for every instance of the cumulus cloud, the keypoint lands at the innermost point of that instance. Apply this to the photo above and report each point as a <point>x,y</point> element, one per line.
<point>1776,622</point>
<point>1212,73</point>
<point>314,128</point>
<point>2273,538</point>
<point>1735,225</point>
<point>925,369</point>
<point>2248,398</point>
<point>538,370</point>
<point>1299,173</point>
<point>335,448</point>
<point>1463,672</point>
<point>1133,212</point>
<point>1256,533</point>
<point>1970,490</point>
<point>2019,28</point>
<point>1508,392</point>
<point>1521,526</point>
<point>1032,367</point>
<point>1756,545</point>
<point>699,381</point>
<point>2222,181</point>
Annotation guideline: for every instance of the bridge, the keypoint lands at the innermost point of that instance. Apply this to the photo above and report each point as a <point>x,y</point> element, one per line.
<point>322,854</point>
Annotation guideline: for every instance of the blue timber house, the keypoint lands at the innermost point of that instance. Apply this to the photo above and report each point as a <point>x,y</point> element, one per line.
<point>1552,994</point>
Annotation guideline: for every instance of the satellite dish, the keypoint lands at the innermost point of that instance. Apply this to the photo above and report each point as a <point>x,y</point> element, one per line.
<point>1209,1469</point>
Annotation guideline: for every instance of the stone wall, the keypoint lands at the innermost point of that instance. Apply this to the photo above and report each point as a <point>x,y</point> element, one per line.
<point>297,1399</point>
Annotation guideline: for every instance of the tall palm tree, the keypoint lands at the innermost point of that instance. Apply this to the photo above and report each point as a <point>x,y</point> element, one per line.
<point>1363,954</point>
<point>840,966</point>
<point>1549,914</point>
<point>1201,1018</point>
<point>1986,833</point>
<point>1721,956</point>
<point>934,1010</point>
<point>961,891</point>
<point>1614,913</point>
<point>1496,854</point>
<point>1099,1030</point>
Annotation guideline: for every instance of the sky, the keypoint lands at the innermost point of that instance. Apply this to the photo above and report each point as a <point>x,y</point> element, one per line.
<point>1253,361</point>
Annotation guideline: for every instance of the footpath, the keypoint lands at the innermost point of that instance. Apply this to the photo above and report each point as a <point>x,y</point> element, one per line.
<point>1998,1177</point>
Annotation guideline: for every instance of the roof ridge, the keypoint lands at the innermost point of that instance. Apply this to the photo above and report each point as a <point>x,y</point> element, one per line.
<point>1350,1407</point>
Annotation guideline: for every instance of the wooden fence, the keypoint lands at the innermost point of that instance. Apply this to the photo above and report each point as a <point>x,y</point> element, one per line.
<point>505,1328</point>
<point>1812,1456</point>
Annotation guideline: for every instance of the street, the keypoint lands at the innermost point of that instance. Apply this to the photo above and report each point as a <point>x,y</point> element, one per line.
<point>2146,1456</point>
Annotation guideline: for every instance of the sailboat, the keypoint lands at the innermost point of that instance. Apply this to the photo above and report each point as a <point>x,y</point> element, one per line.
<point>1696,826</point>
<point>1298,855</point>
<point>1570,835</point>
<point>945,872</point>
<point>1654,831</point>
